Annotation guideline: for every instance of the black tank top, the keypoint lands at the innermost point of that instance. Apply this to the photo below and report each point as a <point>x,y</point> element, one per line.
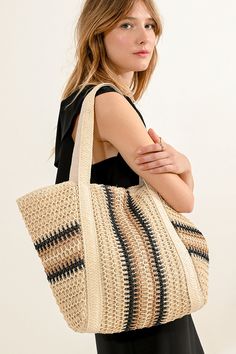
<point>112,171</point>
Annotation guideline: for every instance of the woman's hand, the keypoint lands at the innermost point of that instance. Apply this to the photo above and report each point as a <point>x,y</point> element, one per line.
<point>153,159</point>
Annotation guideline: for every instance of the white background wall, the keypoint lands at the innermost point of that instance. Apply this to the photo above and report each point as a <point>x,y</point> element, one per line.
<point>190,102</point>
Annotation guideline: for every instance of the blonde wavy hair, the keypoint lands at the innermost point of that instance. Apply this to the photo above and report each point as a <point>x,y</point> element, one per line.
<point>92,64</point>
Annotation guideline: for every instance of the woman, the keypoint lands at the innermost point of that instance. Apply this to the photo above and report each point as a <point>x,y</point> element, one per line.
<point>107,43</point>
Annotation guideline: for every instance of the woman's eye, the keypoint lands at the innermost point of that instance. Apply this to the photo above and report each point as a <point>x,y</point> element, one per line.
<point>126,24</point>
<point>129,24</point>
<point>151,24</point>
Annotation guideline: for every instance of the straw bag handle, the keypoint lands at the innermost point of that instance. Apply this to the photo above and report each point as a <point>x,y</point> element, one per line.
<point>80,171</point>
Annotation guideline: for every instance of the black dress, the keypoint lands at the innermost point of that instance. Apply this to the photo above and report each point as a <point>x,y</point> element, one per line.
<point>176,337</point>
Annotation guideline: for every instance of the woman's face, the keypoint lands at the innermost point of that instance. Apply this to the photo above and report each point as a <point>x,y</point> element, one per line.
<point>130,36</point>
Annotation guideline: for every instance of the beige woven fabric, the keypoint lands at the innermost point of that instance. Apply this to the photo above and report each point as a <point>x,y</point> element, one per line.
<point>117,259</point>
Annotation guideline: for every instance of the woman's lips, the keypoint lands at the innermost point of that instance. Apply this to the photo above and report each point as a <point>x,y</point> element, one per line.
<point>142,54</point>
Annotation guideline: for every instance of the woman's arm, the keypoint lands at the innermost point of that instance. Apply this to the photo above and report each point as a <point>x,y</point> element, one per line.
<point>119,124</point>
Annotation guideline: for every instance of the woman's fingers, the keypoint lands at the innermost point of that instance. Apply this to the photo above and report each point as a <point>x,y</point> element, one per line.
<point>155,156</point>
<point>155,137</point>
<point>160,158</point>
<point>156,164</point>
<point>163,169</point>
<point>156,146</point>
<point>149,148</point>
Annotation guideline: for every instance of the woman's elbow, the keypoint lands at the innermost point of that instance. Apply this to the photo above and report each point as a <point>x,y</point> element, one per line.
<point>188,205</point>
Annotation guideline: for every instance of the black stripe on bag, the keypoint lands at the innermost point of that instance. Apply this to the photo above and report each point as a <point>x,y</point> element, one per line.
<point>195,251</point>
<point>52,239</point>
<point>184,227</point>
<point>158,266</point>
<point>131,284</point>
<point>193,230</point>
<point>65,270</point>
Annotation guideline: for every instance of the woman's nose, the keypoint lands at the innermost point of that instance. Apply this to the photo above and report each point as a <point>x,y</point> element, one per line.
<point>143,35</point>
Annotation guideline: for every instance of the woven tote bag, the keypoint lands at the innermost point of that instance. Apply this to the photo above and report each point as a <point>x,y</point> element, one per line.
<point>117,259</point>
